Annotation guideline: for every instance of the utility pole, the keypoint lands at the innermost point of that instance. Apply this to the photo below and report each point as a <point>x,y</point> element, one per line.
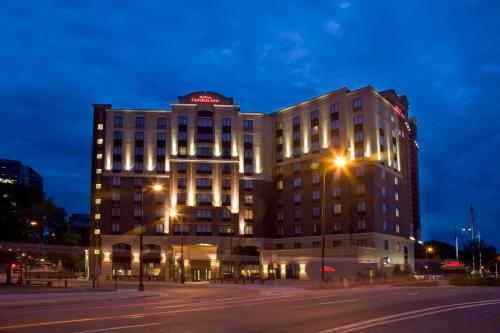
<point>471,215</point>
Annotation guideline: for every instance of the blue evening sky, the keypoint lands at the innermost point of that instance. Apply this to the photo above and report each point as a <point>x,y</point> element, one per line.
<point>59,57</point>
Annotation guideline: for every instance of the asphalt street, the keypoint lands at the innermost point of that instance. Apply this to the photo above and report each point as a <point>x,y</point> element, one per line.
<point>216,308</point>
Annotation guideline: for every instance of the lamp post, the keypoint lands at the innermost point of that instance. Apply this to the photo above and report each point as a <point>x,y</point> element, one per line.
<point>155,188</point>
<point>339,162</point>
<point>173,214</point>
<point>427,251</point>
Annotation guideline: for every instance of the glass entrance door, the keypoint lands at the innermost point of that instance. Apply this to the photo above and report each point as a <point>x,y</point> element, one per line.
<point>201,275</point>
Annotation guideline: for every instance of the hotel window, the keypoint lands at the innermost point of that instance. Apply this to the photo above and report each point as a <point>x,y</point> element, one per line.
<point>116,181</point>
<point>358,137</point>
<point>181,198</point>
<point>226,183</point>
<point>315,178</point>
<point>336,140</point>
<point>117,166</point>
<point>279,125</point>
<point>181,167</point>
<point>334,108</point>
<point>297,198</point>
<point>396,212</point>
<point>315,130</point>
<point>161,123</point>
<point>226,214</point>
<point>138,167</point>
<point>203,229</point>
<point>314,115</point>
<point>139,151</point>
<point>361,207</point>
<point>279,155</point>
<point>336,175</point>
<point>226,137</point>
<point>296,182</point>
<point>204,168</point>
<point>139,122</point>
<point>97,216</point>
<point>382,174</point>
<point>137,212</point>
<point>296,120</point>
<point>160,151</point>
<point>316,244</point>
<point>279,185</point>
<point>393,119</point>
<point>226,199</point>
<point>139,136</point>
<point>204,152</point>
<point>396,181</point>
<point>248,169</point>
<point>296,166</point>
<point>315,146</point>
<point>296,151</point>
<point>361,225</point>
<point>297,231</point>
<point>115,196</point>
<point>337,227</point>
<point>337,209</point>
<point>337,192</point>
<point>115,228</point>
<point>384,208</point>
<point>138,182</point>
<point>279,216</point>
<point>279,140</point>
<point>115,211</point>
<point>98,171</point>
<point>248,199</point>
<point>248,138</point>
<point>316,229</point>
<point>335,124</point>
<point>398,229</point>
<point>380,107</point>
<point>99,156</point>
<point>159,228</point>
<point>248,153</point>
<point>248,214</point>
<point>359,172</point>
<point>297,214</point>
<point>182,136</point>
<point>358,120</point>
<point>137,197</point>
<point>248,124</point>
<point>386,245</point>
<point>118,122</point>
<point>203,198</point>
<point>182,121</point>
<point>226,168</point>
<point>357,103</point>
<point>248,230</point>
<point>248,184</point>
<point>203,183</point>
<point>117,136</point>
<point>161,136</point>
<point>100,127</point>
<point>396,196</point>
<point>316,211</point>
<point>316,195</point>
<point>226,121</point>
<point>280,231</point>
<point>203,214</point>
<point>296,136</point>
<point>279,171</point>
<point>381,124</point>
<point>385,226</point>
<point>360,189</point>
<point>177,228</point>
<point>279,201</point>
<point>137,228</point>
<point>117,150</point>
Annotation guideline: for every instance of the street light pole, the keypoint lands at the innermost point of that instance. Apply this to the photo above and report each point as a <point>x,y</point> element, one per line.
<point>181,279</point>
<point>323,199</point>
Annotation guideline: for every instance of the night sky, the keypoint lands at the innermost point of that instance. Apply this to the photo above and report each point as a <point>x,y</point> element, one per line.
<point>56,60</point>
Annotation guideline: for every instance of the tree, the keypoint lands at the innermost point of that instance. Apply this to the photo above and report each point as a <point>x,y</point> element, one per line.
<point>435,250</point>
<point>471,251</point>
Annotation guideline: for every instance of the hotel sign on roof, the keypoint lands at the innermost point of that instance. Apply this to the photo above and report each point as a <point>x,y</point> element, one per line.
<point>199,97</point>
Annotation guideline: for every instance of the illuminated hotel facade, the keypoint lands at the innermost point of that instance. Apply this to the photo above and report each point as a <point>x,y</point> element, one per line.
<point>233,179</point>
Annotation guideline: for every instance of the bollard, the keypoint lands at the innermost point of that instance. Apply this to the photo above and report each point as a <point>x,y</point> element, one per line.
<point>66,283</point>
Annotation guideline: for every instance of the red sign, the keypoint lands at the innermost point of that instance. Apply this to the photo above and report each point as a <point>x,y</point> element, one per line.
<point>328,269</point>
<point>204,99</point>
<point>399,111</point>
<point>453,264</point>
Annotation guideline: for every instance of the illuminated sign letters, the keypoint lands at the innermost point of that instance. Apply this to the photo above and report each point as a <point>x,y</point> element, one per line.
<point>204,99</point>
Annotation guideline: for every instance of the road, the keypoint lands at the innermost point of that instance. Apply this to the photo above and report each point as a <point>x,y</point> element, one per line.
<point>212,308</point>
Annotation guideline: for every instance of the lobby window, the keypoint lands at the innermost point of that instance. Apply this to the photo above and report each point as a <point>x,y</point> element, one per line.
<point>315,178</point>
<point>357,103</point>
<point>361,225</point>
<point>248,124</point>
<point>296,182</point>
<point>297,214</point>
<point>248,230</point>
<point>118,122</point>
<point>337,227</point>
<point>360,189</point>
<point>279,216</point>
<point>316,211</point>
<point>316,196</point>
<point>139,122</point>
<point>161,123</point>
<point>386,245</point>
<point>248,199</point>
<point>296,198</point>
<point>296,167</point>
<point>203,214</point>
<point>248,214</point>
<point>337,209</point>
<point>361,207</point>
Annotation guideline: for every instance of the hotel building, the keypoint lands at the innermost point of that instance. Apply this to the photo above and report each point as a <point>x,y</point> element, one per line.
<point>234,182</point>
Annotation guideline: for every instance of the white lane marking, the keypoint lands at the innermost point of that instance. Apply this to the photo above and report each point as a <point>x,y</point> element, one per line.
<point>117,328</point>
<point>452,290</point>
<point>413,294</point>
<point>408,315</point>
<point>341,301</point>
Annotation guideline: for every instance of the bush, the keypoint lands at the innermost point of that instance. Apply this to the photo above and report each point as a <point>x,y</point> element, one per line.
<point>474,281</point>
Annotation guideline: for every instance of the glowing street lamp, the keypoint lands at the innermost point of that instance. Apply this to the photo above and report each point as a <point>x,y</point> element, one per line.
<point>33,223</point>
<point>156,188</point>
<point>339,162</point>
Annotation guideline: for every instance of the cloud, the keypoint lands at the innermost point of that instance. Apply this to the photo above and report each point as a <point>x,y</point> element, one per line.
<point>333,26</point>
<point>344,5</point>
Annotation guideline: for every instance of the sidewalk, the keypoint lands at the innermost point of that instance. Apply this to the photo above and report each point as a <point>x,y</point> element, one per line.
<point>65,296</point>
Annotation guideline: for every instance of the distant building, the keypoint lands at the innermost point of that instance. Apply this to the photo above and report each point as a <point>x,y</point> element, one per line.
<point>14,172</point>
